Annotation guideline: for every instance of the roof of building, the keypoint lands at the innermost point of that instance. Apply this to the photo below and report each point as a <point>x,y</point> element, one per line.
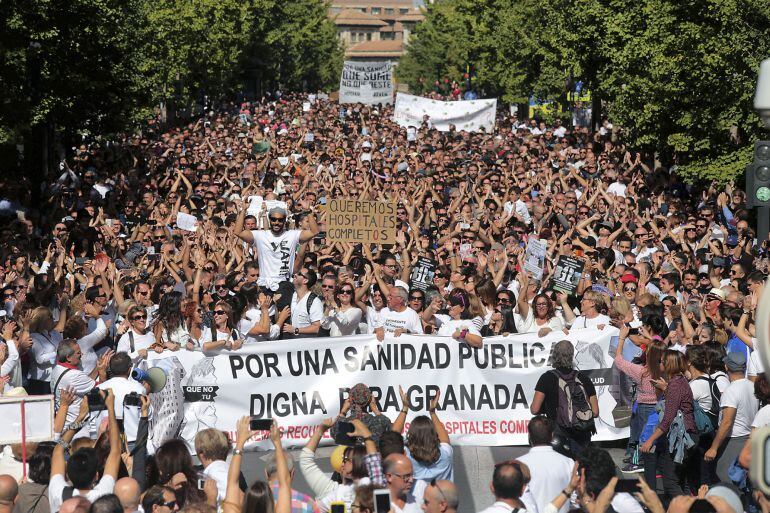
<point>396,27</point>
<point>353,17</point>
<point>388,48</point>
<point>412,16</point>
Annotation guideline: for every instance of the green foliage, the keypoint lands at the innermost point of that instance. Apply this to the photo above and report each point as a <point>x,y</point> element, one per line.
<point>678,75</point>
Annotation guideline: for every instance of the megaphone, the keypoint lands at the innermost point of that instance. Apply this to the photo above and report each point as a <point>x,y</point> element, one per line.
<point>155,376</point>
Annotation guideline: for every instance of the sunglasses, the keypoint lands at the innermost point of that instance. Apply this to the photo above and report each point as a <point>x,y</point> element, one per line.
<point>220,312</point>
<point>416,298</point>
<point>138,317</point>
<point>208,269</point>
<point>327,287</point>
<point>503,299</point>
<point>277,219</point>
<point>346,292</point>
<point>169,504</point>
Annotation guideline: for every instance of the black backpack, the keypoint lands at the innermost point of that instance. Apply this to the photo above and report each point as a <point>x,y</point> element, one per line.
<point>716,398</point>
<point>573,411</point>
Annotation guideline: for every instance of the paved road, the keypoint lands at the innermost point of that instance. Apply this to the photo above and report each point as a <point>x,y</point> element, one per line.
<point>472,466</point>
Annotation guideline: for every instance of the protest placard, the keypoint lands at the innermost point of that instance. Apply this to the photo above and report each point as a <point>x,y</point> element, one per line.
<point>423,271</point>
<point>534,258</point>
<point>567,274</point>
<point>186,222</point>
<point>366,82</point>
<point>350,220</point>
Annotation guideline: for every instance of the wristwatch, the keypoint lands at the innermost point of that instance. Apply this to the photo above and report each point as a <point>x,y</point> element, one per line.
<point>237,452</point>
<point>296,331</point>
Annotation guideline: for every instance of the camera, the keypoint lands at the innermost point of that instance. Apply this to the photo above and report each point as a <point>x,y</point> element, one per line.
<point>96,400</point>
<point>132,399</point>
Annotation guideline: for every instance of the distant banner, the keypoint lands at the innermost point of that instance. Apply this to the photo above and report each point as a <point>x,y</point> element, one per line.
<point>485,393</point>
<point>470,116</point>
<point>361,221</point>
<point>366,82</point>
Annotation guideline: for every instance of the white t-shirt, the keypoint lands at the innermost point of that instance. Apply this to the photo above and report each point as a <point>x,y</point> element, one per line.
<point>206,336</point>
<point>740,395</point>
<point>121,387</point>
<point>762,418</point>
<point>57,485</point>
<point>701,392</point>
<point>251,318</point>
<point>217,470</point>
<point>276,255</point>
<point>582,322</point>
<point>447,325</point>
<point>551,473</point>
<point>755,366</point>
<point>408,320</point>
<point>413,499</point>
<point>300,317</point>
<point>75,379</point>
<point>140,342</point>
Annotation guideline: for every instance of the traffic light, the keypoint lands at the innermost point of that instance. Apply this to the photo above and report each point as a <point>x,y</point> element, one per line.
<point>758,176</point>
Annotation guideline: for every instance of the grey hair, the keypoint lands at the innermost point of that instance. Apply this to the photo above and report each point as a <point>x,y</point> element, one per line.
<point>563,355</point>
<point>402,292</point>
<point>271,467</point>
<point>65,349</point>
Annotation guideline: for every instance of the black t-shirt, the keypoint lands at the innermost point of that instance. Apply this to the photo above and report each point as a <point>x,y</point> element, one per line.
<point>548,384</point>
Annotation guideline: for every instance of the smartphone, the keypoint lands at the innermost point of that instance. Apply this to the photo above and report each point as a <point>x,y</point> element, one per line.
<point>627,486</point>
<point>382,501</point>
<point>337,507</point>
<point>96,400</point>
<point>201,483</point>
<point>345,427</point>
<point>256,424</point>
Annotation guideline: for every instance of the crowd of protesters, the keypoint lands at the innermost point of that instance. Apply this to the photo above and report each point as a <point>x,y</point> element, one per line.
<point>96,274</point>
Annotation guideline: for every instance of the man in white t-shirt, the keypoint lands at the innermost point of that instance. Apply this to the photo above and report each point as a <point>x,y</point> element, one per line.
<point>306,307</point>
<point>550,471</point>
<point>211,447</point>
<point>397,318</point>
<point>66,375</point>
<point>276,249</point>
<point>738,407</point>
<point>122,385</point>
<point>82,468</point>
<point>508,485</point>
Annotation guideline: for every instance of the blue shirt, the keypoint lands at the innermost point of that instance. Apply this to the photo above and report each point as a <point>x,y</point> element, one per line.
<point>440,469</point>
<point>736,345</point>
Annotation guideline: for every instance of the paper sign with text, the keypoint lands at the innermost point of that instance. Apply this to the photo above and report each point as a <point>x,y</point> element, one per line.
<point>357,221</point>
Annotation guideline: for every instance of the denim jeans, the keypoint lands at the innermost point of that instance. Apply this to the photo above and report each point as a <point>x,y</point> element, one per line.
<point>638,421</point>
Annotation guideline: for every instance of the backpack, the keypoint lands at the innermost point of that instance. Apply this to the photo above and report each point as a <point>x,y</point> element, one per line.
<point>712,415</point>
<point>573,412</point>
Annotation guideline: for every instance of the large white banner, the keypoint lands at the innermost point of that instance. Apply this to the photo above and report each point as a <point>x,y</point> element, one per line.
<point>366,82</point>
<point>470,116</point>
<point>485,393</point>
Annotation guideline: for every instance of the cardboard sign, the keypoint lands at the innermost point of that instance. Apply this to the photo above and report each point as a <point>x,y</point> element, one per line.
<point>372,222</point>
<point>186,222</point>
<point>422,273</point>
<point>534,258</point>
<point>38,419</point>
<point>567,274</point>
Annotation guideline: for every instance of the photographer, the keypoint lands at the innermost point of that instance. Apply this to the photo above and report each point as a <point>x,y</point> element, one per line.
<point>127,393</point>
<point>82,467</point>
<point>67,375</point>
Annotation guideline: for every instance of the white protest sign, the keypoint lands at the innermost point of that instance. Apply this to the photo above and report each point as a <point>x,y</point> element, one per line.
<point>186,222</point>
<point>470,116</point>
<point>366,82</point>
<point>485,393</point>
<point>38,419</point>
<point>283,161</point>
<point>534,258</point>
<point>305,106</point>
<point>255,205</point>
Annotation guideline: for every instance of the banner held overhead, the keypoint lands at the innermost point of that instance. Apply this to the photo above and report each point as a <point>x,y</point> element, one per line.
<point>366,82</point>
<point>469,116</point>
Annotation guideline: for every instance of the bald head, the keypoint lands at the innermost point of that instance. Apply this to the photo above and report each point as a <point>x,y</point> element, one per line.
<point>8,489</point>
<point>75,505</point>
<point>128,492</point>
<point>399,474</point>
<point>441,497</point>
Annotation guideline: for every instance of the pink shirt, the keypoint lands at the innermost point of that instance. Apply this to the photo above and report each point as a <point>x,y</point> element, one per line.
<point>646,393</point>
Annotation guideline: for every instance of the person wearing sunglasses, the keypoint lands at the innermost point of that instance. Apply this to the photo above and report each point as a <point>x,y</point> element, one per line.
<point>276,249</point>
<point>457,322</point>
<point>136,340</point>
<point>342,318</point>
<point>160,499</point>
<point>222,334</point>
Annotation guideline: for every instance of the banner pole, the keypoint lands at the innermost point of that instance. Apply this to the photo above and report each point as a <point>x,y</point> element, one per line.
<point>23,439</point>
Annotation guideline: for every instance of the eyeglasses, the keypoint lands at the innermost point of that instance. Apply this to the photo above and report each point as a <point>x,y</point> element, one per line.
<point>277,219</point>
<point>208,269</point>
<point>220,312</point>
<point>327,287</point>
<point>300,274</point>
<point>392,266</point>
<point>404,477</point>
<point>20,287</point>
<point>629,289</point>
<point>139,317</point>
<point>541,304</point>
<point>347,292</point>
<point>503,299</point>
<point>169,504</point>
<point>142,292</point>
<point>416,298</point>
<point>159,237</point>
<point>221,285</point>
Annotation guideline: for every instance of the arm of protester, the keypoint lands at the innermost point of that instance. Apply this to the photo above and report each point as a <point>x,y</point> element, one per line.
<point>569,315</point>
<point>523,303</point>
<point>312,230</point>
<point>398,424</point>
<point>66,397</point>
<point>723,432</point>
<point>233,495</point>
<point>283,501</point>
<point>537,403</point>
<point>140,446</point>
<point>372,460</point>
<point>112,465</point>
<point>443,436</point>
<point>318,481</point>
<point>742,333</point>
<point>432,308</point>
<point>744,458</point>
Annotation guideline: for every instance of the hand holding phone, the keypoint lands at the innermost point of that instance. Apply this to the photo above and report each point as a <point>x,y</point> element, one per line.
<point>257,424</point>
